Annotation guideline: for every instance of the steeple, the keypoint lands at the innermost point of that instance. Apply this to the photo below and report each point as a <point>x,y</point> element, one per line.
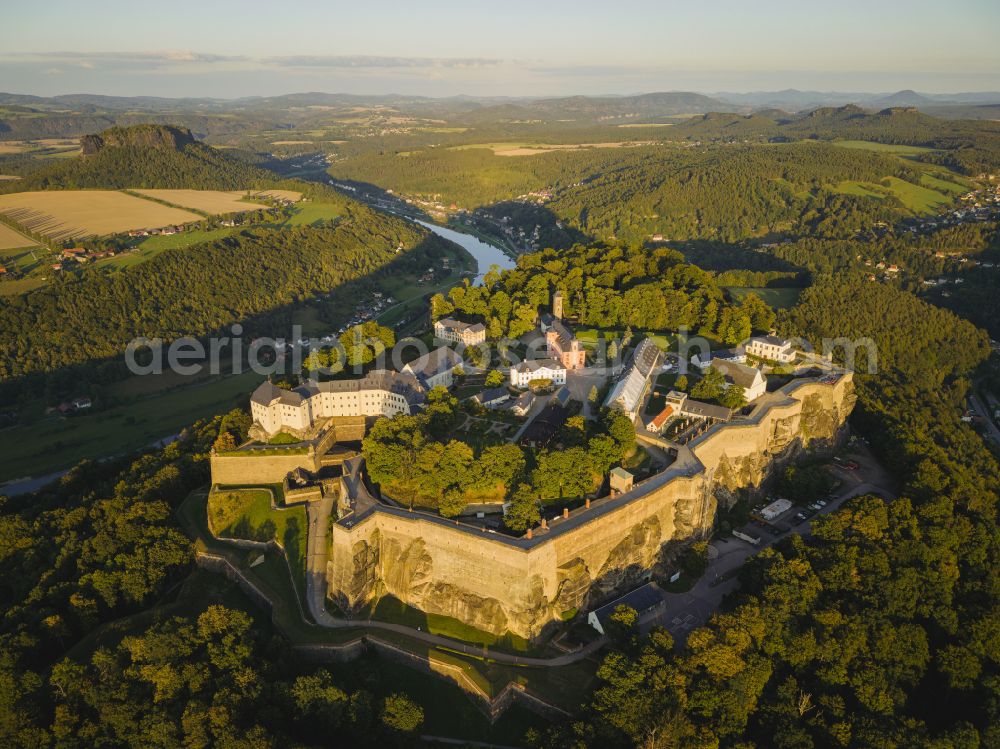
<point>557,305</point>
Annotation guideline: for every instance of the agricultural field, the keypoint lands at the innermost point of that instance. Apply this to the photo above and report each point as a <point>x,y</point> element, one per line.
<point>916,198</point>
<point>310,213</point>
<point>150,247</point>
<point>281,194</point>
<point>206,201</point>
<point>534,149</point>
<point>11,240</point>
<point>69,214</point>
<point>52,443</point>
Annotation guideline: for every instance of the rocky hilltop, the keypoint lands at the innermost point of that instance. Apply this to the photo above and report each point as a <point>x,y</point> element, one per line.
<point>166,137</point>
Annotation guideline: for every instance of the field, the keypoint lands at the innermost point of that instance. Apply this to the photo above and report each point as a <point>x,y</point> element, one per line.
<point>68,214</point>
<point>207,201</point>
<point>282,194</point>
<point>53,443</point>
<point>777,298</point>
<point>11,240</point>
<point>534,149</point>
<point>310,213</point>
<point>916,198</point>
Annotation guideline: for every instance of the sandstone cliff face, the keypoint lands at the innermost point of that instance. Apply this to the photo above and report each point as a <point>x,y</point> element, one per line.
<point>500,587</point>
<point>142,136</point>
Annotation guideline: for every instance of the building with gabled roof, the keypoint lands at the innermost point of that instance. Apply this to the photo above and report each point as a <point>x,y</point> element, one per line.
<point>434,369</point>
<point>522,373</point>
<point>630,388</point>
<point>379,393</point>
<point>771,348</point>
<point>456,331</point>
<point>751,379</point>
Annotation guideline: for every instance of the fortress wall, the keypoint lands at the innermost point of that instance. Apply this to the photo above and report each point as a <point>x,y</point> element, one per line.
<point>499,585</point>
<point>238,470</point>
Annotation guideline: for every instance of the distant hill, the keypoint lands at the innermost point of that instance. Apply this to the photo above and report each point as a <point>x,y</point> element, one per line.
<point>146,156</point>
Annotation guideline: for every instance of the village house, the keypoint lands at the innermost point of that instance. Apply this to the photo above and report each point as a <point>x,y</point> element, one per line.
<point>751,379</point>
<point>492,397</point>
<point>656,424</point>
<point>703,360</point>
<point>435,368</point>
<point>523,404</point>
<point>456,331</point>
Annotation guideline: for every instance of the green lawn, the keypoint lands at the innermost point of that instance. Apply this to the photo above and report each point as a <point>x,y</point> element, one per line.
<point>54,443</point>
<point>247,513</point>
<point>150,247</point>
<point>306,214</point>
<point>391,609</point>
<point>779,298</point>
<point>928,197</point>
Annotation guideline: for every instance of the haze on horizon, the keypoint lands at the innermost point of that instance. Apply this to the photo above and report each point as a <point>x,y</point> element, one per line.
<point>231,49</point>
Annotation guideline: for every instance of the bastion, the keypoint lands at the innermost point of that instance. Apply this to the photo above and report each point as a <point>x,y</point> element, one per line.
<point>526,585</point>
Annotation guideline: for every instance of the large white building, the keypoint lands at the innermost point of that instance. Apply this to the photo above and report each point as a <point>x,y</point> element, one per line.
<point>456,331</point>
<point>537,369</point>
<point>771,348</point>
<point>379,393</point>
<point>435,368</point>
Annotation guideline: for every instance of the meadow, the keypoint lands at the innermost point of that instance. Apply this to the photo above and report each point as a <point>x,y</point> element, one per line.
<point>69,214</point>
<point>778,298</point>
<point>53,443</point>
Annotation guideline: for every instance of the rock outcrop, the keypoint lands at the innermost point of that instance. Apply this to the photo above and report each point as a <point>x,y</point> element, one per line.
<point>523,586</point>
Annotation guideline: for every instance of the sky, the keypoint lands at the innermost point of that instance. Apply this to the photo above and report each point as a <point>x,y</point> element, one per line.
<point>222,48</point>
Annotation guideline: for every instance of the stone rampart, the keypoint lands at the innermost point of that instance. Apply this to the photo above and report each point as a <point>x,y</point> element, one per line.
<point>523,585</point>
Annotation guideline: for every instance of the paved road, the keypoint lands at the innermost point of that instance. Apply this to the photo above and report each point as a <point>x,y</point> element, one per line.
<point>686,611</point>
<point>987,415</point>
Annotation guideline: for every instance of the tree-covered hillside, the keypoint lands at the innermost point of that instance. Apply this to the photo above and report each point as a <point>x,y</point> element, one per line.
<point>144,156</point>
<point>196,290</point>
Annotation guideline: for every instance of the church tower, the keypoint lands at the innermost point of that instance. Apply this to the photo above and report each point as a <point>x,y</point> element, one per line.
<point>557,305</point>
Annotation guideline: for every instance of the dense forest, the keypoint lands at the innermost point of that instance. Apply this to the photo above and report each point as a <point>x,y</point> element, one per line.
<point>605,286</point>
<point>104,544</point>
<point>881,630</point>
<point>86,319</point>
<point>708,192</point>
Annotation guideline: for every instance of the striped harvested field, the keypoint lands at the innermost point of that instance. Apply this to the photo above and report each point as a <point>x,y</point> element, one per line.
<point>71,214</point>
<point>207,201</point>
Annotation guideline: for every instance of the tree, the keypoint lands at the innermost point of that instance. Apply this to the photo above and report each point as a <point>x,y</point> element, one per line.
<point>604,452</point>
<point>452,502</point>
<point>440,307</point>
<point>733,396</point>
<point>710,386</point>
<point>495,378</point>
<point>592,395</point>
<point>760,315</point>
<point>225,442</point>
<point>681,383</point>
<point>621,429</point>
<point>400,713</point>
<point>523,510</point>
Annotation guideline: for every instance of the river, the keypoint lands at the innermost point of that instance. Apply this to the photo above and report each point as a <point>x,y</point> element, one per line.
<point>486,255</point>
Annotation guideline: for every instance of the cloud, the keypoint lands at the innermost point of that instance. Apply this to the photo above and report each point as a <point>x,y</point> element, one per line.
<point>371,61</point>
<point>145,60</point>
